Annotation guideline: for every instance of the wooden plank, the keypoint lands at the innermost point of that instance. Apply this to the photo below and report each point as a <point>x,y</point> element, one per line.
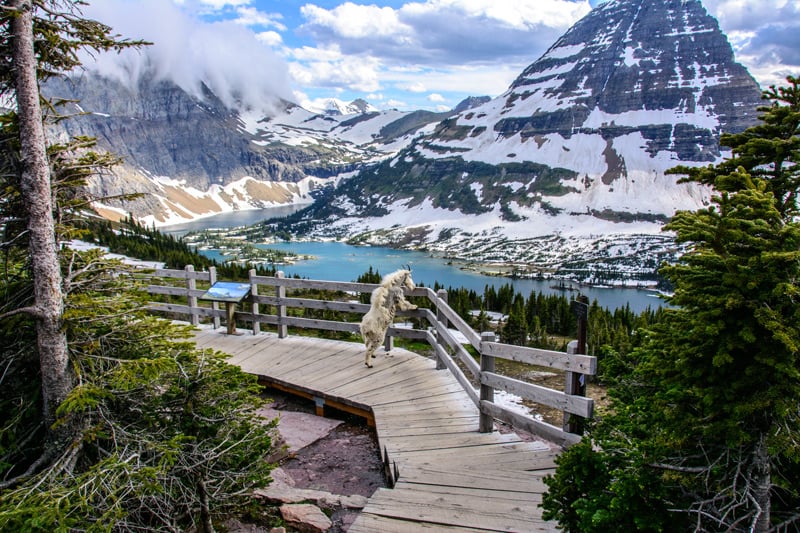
<point>457,443</point>
<point>486,479</point>
<point>435,491</point>
<point>371,523</point>
<point>181,274</point>
<point>450,400</point>
<point>308,303</point>
<point>457,322</point>
<point>401,373</point>
<point>565,402</point>
<point>399,393</point>
<point>444,357</point>
<point>531,425</point>
<point>498,517</point>
<point>449,429</point>
<point>172,290</point>
<point>410,421</point>
<point>583,364</point>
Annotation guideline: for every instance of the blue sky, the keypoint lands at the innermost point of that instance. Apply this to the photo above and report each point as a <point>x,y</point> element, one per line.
<point>405,54</point>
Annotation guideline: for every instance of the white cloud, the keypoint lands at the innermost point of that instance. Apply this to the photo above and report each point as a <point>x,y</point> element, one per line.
<point>270,38</point>
<point>416,87</point>
<point>219,4</point>
<point>444,32</point>
<point>765,35</point>
<point>435,97</point>
<point>225,56</point>
<point>328,67</point>
<point>356,21</point>
<point>250,16</point>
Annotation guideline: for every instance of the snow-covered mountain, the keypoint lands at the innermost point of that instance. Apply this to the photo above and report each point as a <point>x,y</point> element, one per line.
<point>567,167</point>
<point>191,157</point>
<point>334,107</point>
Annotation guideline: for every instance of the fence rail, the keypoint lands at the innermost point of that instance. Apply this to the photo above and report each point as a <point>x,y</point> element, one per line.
<point>268,304</point>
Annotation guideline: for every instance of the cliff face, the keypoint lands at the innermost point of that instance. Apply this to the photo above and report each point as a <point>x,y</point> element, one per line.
<point>160,128</point>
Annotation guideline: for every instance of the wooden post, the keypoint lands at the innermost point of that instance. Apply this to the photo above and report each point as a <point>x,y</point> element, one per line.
<point>280,292</point>
<point>192,299</point>
<point>486,421</point>
<point>319,406</point>
<point>388,342</point>
<point>254,293</point>
<point>575,383</point>
<point>230,310</point>
<point>212,279</point>
<point>442,318</point>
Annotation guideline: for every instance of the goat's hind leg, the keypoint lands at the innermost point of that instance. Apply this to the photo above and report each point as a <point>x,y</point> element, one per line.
<point>371,347</point>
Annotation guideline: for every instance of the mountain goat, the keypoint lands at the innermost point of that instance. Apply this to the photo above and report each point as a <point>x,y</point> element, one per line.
<point>385,300</point>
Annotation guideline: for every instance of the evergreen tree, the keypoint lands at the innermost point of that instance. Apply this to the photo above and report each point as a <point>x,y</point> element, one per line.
<point>704,433</point>
<point>515,330</point>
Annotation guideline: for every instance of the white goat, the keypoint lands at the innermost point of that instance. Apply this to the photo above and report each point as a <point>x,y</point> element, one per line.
<point>385,300</point>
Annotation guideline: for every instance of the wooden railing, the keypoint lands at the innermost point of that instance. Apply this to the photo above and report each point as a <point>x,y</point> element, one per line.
<point>441,319</point>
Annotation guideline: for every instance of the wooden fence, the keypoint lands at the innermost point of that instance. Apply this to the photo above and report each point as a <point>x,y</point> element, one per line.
<point>268,303</point>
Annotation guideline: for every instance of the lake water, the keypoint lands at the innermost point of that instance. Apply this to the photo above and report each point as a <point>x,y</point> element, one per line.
<point>337,261</point>
<point>232,219</point>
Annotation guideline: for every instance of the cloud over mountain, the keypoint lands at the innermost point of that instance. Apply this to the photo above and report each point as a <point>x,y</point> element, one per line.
<point>226,56</point>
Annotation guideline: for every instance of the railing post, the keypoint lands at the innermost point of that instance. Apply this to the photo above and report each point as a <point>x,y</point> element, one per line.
<point>190,287</point>
<point>486,421</point>
<point>280,292</point>
<point>212,279</point>
<point>442,318</point>
<point>388,342</point>
<point>254,293</point>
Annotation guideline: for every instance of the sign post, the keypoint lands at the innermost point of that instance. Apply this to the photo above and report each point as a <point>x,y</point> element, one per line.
<point>576,382</point>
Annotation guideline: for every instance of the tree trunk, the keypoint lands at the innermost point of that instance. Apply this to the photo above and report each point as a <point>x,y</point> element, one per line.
<point>762,483</point>
<point>38,199</point>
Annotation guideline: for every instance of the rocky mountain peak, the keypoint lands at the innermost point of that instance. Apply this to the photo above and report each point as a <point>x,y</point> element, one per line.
<point>471,101</point>
<point>639,55</point>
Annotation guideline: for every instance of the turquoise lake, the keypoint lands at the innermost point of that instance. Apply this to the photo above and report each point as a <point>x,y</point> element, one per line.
<point>337,261</point>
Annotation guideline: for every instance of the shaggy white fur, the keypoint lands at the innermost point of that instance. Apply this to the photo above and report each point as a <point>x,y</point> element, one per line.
<point>385,300</point>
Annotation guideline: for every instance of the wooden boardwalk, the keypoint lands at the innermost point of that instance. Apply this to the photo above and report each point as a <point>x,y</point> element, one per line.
<point>450,476</point>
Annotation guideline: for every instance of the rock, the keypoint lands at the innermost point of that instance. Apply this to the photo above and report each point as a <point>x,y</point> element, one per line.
<point>299,429</point>
<point>306,518</point>
<point>282,490</point>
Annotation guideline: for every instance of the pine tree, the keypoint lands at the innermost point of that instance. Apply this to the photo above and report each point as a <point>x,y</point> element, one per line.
<point>515,330</point>
<point>704,432</point>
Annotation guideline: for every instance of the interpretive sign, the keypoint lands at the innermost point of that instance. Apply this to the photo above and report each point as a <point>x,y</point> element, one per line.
<point>227,291</point>
<point>231,293</point>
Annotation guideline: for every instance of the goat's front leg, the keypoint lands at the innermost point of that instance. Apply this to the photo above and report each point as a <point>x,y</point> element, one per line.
<point>405,305</point>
